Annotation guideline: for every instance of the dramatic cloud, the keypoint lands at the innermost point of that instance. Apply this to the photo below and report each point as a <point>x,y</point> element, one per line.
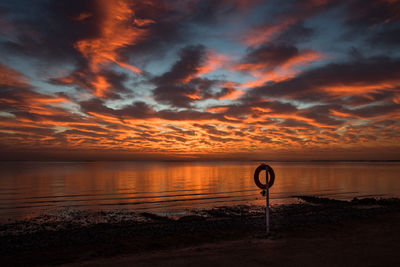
<point>202,79</point>
<point>271,62</point>
<point>267,58</point>
<point>334,81</point>
<point>180,86</point>
<point>10,78</point>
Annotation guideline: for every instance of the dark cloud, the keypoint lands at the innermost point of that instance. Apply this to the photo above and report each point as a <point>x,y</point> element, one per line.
<point>316,116</point>
<point>375,21</point>
<point>286,21</point>
<point>365,13</point>
<point>292,123</point>
<point>386,37</point>
<point>253,106</point>
<point>180,86</point>
<point>295,33</point>
<point>112,82</point>
<point>138,110</point>
<point>190,115</point>
<point>25,100</point>
<point>173,86</point>
<point>10,78</point>
<point>212,11</point>
<point>321,114</point>
<point>168,29</point>
<point>270,55</point>
<point>48,30</point>
<point>373,111</point>
<point>367,98</point>
<point>141,110</point>
<point>28,132</point>
<point>117,80</point>
<point>319,84</point>
<point>181,131</point>
<point>173,23</point>
<point>224,92</point>
<point>175,95</point>
<point>211,129</point>
<point>190,59</point>
<point>223,139</point>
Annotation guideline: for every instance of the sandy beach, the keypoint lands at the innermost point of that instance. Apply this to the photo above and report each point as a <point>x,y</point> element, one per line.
<point>358,243</point>
<point>316,232</point>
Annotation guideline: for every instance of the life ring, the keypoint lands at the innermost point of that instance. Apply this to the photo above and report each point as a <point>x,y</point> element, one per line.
<point>271,176</point>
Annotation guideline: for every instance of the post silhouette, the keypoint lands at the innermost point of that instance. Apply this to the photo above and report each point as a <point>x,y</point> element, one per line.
<point>267,201</point>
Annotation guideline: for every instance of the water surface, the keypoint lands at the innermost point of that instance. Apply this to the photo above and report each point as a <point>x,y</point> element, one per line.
<point>31,188</point>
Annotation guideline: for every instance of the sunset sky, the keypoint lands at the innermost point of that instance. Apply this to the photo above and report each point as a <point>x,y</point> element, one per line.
<point>200,79</point>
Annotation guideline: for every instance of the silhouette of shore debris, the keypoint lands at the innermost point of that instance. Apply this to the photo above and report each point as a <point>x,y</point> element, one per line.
<point>56,238</point>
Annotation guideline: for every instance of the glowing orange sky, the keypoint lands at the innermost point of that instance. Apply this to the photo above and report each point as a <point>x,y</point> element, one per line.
<point>201,79</point>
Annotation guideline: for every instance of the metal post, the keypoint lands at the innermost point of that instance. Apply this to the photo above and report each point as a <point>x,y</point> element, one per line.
<point>267,199</point>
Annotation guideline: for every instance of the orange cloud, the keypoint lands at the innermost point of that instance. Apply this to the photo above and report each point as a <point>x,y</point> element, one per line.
<point>233,94</point>
<point>361,88</point>
<point>303,58</point>
<point>116,31</point>
<point>249,125</point>
<point>101,85</point>
<point>143,22</point>
<point>230,91</point>
<point>217,109</point>
<point>212,61</point>
<point>263,72</point>
<point>264,33</point>
<point>12,78</point>
<point>342,114</point>
<point>32,99</point>
<point>194,96</point>
<point>118,28</point>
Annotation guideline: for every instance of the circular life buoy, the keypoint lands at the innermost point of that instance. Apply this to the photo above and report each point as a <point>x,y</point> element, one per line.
<point>271,176</point>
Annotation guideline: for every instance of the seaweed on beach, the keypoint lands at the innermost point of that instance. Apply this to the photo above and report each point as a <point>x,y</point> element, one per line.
<point>321,200</point>
<point>355,201</point>
<point>108,233</point>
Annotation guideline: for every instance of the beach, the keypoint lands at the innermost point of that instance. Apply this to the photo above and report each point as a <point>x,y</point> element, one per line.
<point>358,243</point>
<point>317,231</point>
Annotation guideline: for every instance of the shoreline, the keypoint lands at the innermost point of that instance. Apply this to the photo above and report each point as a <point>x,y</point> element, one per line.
<point>86,237</point>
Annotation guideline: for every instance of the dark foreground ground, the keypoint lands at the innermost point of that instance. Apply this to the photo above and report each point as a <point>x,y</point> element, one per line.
<point>319,232</point>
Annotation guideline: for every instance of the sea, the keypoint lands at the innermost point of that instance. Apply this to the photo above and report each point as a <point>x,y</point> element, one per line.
<point>29,189</point>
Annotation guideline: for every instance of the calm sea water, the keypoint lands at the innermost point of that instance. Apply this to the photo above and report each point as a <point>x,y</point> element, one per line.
<point>32,188</point>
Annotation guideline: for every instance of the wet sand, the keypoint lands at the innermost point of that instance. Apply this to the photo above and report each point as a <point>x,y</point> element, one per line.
<point>319,232</point>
